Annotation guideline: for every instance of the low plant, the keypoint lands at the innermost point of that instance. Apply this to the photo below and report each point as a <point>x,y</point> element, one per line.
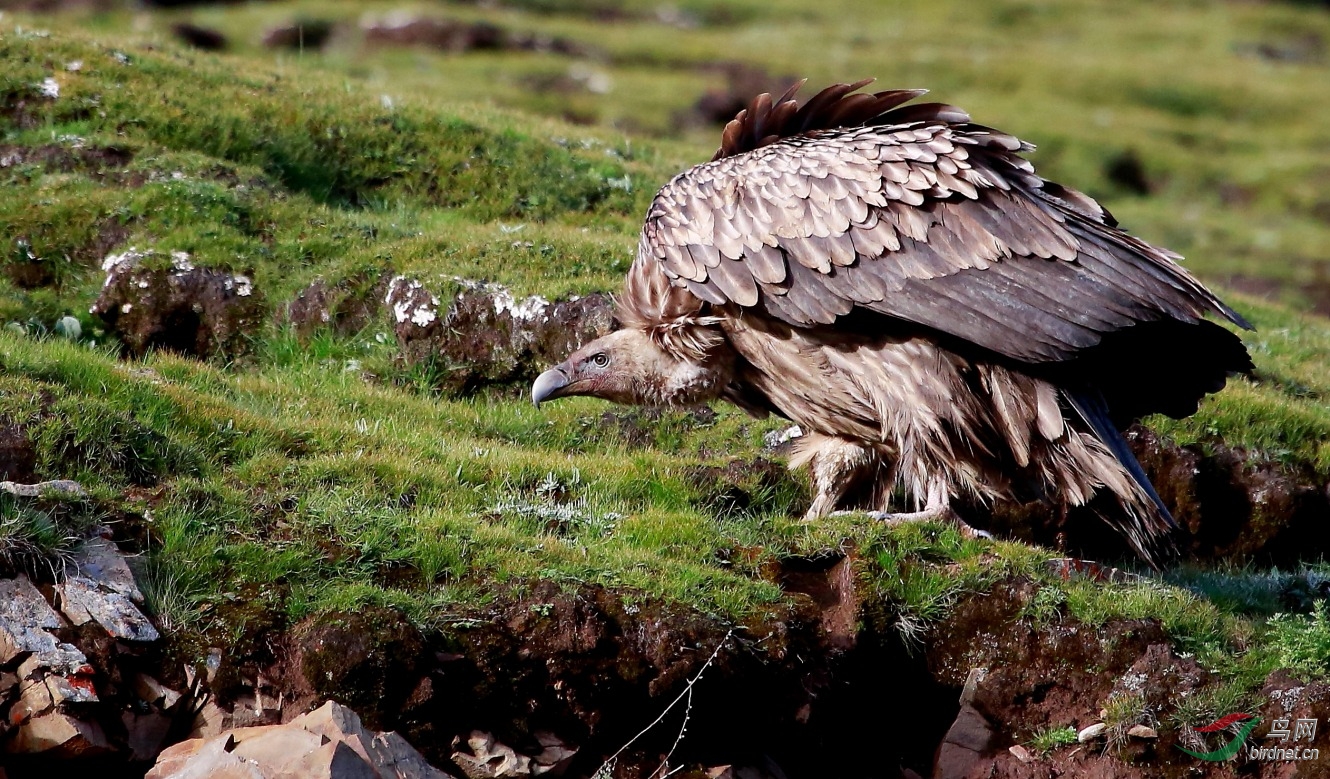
<point>1049,739</point>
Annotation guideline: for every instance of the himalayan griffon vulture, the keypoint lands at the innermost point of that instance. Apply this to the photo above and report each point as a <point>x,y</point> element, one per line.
<point>900,283</point>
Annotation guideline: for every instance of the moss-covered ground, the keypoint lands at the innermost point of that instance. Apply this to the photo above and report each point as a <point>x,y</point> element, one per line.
<point>321,474</point>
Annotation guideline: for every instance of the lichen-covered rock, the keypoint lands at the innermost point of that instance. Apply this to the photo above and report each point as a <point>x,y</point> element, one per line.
<point>155,302</point>
<point>26,625</point>
<point>485,335</point>
<point>102,590</point>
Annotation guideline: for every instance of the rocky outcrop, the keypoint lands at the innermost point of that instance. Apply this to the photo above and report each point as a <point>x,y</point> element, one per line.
<point>327,743</point>
<point>485,335</point>
<point>344,307</point>
<point>152,301</point>
<point>54,708</point>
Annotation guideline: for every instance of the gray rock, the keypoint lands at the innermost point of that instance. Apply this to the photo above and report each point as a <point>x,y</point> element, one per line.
<point>58,487</point>
<point>962,748</point>
<point>25,621</point>
<point>104,591</point>
<point>75,688</point>
<point>84,600</point>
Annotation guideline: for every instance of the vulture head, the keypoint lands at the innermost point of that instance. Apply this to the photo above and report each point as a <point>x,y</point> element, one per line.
<point>628,366</point>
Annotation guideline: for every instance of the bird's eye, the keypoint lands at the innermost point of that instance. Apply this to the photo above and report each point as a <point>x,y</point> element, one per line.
<point>601,360</point>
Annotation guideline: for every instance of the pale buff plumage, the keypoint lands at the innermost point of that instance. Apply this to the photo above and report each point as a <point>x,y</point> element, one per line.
<point>901,284</point>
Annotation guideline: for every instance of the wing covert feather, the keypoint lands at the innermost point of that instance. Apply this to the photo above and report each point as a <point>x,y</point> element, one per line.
<point>920,216</point>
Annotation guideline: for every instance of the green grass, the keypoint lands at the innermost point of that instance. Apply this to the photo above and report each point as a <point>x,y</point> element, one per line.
<point>1302,641</point>
<point>1046,741</point>
<point>320,474</point>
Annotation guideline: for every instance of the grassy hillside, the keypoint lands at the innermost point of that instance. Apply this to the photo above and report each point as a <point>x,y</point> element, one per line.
<point>322,474</point>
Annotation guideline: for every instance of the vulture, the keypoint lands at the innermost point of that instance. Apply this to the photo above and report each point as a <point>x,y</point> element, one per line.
<point>938,319</point>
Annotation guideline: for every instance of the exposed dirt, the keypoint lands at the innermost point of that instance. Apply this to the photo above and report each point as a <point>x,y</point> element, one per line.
<point>719,105</point>
<point>1229,505</point>
<point>199,37</point>
<point>309,34</point>
<point>66,158</point>
<point>345,307</point>
<point>457,37</point>
<point>18,455</point>
<point>825,681</point>
<point>741,486</point>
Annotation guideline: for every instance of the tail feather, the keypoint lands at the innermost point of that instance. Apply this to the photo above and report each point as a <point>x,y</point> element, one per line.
<point>1144,531</point>
<point>1091,407</point>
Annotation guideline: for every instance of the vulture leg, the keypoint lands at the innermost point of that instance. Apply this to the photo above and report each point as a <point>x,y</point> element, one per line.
<point>836,465</point>
<point>938,509</point>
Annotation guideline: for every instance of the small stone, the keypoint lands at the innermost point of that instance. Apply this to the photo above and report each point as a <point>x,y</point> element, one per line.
<point>1091,733</point>
<point>555,755</point>
<point>62,487</point>
<point>248,712</point>
<point>1142,731</point>
<point>77,688</point>
<point>971,688</point>
<point>489,759</point>
<point>1021,753</point>
<point>60,735</point>
<point>212,720</point>
<point>42,688</point>
<point>69,327</point>
<point>328,743</point>
<point>152,691</point>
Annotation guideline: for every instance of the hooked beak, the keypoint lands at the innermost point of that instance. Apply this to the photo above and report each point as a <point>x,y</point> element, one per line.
<point>548,385</point>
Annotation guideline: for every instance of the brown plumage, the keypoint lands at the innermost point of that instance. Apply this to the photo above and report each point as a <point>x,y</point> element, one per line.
<point>900,283</point>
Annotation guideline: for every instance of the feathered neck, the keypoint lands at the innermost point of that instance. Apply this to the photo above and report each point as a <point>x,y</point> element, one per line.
<point>676,321</point>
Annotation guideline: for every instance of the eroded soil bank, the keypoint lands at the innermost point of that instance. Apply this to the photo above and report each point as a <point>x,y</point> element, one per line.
<point>839,680</point>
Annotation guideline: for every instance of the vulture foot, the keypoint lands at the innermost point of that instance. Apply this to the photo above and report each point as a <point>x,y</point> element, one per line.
<point>935,514</point>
